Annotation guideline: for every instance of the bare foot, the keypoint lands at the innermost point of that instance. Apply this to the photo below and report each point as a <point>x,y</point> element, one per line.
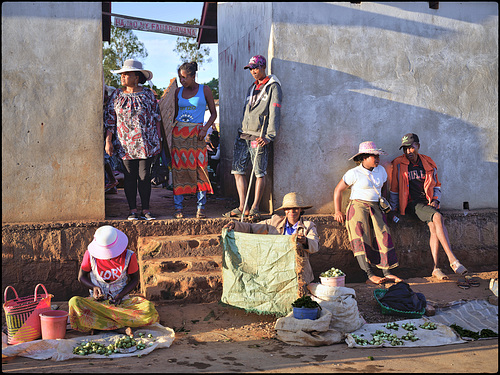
<point>376,280</point>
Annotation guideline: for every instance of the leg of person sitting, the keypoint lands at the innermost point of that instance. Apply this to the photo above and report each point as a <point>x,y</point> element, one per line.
<point>442,235</point>
<point>365,266</point>
<point>86,314</point>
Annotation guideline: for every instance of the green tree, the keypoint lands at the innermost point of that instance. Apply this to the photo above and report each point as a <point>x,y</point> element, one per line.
<point>214,85</point>
<point>187,48</point>
<point>123,45</point>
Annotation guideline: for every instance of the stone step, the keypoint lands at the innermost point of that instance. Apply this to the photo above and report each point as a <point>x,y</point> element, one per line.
<point>185,279</point>
<point>179,246</point>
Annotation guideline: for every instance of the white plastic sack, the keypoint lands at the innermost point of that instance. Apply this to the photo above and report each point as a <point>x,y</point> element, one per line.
<point>62,349</point>
<point>341,302</point>
<point>307,332</point>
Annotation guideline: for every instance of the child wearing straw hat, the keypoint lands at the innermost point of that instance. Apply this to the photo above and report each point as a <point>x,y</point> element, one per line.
<point>111,272</point>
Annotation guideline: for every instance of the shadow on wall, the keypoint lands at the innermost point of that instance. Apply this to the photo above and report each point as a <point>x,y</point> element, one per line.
<point>325,117</point>
<point>320,14</point>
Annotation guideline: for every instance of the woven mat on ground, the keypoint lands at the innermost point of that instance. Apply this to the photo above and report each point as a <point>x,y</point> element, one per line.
<point>472,315</point>
<point>259,272</point>
<point>61,350</point>
<point>443,335</point>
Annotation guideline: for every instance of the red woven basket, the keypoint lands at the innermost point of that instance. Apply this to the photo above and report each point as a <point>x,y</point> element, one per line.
<point>22,315</point>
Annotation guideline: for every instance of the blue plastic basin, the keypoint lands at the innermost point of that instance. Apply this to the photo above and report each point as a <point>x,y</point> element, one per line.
<point>305,313</point>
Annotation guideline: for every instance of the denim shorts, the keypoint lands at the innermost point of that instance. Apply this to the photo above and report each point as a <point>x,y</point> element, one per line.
<point>421,210</point>
<point>242,153</point>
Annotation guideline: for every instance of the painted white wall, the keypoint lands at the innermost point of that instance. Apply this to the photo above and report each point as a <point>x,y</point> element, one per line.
<point>370,71</point>
<point>52,132</point>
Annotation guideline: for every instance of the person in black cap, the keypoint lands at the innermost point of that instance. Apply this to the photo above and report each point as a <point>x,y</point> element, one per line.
<point>416,190</point>
<point>259,127</point>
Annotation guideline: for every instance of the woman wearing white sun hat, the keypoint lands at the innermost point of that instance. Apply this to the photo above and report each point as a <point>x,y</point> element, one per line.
<point>369,234</point>
<point>111,272</point>
<point>132,115</point>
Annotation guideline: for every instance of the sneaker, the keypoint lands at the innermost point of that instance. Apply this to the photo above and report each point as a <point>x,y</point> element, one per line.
<point>133,216</point>
<point>147,216</point>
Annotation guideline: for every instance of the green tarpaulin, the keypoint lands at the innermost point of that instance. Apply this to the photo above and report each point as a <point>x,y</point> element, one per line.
<point>259,272</point>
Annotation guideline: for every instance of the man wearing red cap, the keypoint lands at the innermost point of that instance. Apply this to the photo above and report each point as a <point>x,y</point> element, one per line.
<point>261,120</point>
<point>416,190</point>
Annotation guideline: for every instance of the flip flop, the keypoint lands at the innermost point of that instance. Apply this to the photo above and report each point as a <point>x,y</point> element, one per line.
<point>458,268</point>
<point>393,278</point>
<point>381,281</point>
<point>439,274</point>
<point>462,283</point>
<point>472,280</point>
<point>233,213</point>
<point>254,214</point>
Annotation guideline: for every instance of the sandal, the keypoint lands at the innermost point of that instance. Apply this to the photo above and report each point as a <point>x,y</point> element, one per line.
<point>200,214</point>
<point>178,215</point>
<point>233,213</point>
<point>472,280</point>
<point>254,214</point>
<point>439,274</point>
<point>462,283</point>
<point>458,268</point>
<point>393,278</point>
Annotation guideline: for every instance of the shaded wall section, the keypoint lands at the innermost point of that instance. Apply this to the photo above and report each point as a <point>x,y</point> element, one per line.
<point>52,132</point>
<point>376,71</point>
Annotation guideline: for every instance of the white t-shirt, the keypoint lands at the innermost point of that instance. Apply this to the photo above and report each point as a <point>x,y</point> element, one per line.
<point>362,186</point>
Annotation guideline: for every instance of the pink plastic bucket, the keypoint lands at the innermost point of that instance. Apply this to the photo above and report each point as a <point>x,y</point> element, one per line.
<point>53,324</point>
<point>333,281</point>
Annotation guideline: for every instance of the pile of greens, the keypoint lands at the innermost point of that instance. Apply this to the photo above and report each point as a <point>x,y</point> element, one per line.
<point>306,302</point>
<point>484,333</point>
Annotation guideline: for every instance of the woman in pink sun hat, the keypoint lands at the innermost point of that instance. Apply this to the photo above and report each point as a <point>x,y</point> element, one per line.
<point>111,272</point>
<point>366,224</point>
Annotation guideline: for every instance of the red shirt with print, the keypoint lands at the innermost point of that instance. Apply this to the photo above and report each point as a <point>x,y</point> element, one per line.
<point>111,269</point>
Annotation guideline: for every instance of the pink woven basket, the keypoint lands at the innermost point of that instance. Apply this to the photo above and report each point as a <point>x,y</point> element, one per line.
<point>22,315</point>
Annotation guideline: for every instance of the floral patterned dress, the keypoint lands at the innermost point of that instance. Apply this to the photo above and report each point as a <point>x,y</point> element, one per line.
<point>132,118</point>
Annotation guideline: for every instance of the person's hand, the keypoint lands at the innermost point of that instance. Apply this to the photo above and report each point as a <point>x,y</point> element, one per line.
<point>109,147</point>
<point>97,294</point>
<point>339,216</point>
<point>229,226</point>
<point>434,204</point>
<point>300,236</point>
<point>202,133</point>
<point>117,300</point>
<point>261,141</point>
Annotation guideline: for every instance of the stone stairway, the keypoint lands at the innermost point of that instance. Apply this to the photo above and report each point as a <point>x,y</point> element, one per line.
<point>181,268</point>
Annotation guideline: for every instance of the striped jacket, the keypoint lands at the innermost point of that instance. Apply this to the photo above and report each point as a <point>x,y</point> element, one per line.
<point>400,184</point>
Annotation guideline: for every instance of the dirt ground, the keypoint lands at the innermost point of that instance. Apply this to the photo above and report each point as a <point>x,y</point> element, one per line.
<point>214,338</point>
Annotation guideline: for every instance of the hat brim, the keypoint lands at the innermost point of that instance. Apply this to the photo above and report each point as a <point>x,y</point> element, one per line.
<point>288,207</point>
<point>101,252</point>
<point>147,73</point>
<point>372,152</point>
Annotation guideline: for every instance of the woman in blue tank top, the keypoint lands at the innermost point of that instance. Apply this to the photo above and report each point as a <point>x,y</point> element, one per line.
<point>189,152</point>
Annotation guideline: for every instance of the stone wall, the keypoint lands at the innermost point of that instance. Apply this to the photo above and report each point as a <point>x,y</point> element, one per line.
<point>51,253</point>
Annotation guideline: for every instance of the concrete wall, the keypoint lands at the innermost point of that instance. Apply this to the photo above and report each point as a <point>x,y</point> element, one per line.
<point>370,71</point>
<point>52,137</point>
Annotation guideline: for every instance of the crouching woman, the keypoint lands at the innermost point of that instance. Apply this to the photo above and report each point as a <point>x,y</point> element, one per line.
<point>111,272</point>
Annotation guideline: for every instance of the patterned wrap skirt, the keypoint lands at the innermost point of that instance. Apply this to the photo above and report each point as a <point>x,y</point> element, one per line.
<point>189,160</point>
<point>86,314</point>
<point>369,234</point>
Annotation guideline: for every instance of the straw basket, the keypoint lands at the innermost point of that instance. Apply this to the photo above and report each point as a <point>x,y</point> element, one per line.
<point>22,315</point>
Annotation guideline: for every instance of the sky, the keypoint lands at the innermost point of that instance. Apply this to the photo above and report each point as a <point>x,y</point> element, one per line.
<point>162,60</point>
